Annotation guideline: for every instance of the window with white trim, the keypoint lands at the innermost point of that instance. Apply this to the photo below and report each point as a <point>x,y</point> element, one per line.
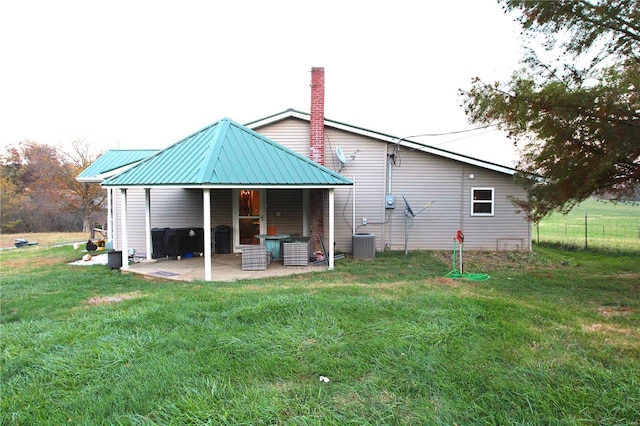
<point>482,200</point>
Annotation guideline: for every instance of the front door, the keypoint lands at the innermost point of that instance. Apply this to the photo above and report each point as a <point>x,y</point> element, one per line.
<point>248,207</point>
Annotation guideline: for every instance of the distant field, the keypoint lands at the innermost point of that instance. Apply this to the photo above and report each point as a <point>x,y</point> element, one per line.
<point>597,224</point>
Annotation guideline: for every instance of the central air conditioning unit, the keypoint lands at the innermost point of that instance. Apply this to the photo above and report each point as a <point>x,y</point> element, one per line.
<point>364,246</point>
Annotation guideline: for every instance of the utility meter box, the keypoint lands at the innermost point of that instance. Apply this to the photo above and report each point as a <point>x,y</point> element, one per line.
<point>389,202</point>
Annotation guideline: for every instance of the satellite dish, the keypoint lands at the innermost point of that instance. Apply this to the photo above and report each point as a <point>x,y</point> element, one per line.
<point>343,158</point>
<point>407,206</point>
<point>340,154</point>
<point>407,212</point>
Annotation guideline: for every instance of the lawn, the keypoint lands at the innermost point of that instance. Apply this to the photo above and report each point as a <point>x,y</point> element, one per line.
<point>553,337</point>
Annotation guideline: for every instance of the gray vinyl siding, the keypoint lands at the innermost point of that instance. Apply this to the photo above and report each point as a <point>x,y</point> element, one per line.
<point>423,178</point>
<point>292,133</point>
<point>221,210</point>
<point>284,210</point>
<point>170,208</point>
<point>368,171</point>
<point>135,219</point>
<point>506,229</point>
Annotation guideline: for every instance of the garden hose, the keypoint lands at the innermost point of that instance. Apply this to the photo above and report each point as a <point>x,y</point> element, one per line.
<point>455,273</point>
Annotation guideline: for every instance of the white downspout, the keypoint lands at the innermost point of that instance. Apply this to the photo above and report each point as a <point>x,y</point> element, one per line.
<point>353,219</point>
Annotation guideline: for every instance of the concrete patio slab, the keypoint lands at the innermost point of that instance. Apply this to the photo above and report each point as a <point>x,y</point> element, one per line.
<point>224,267</point>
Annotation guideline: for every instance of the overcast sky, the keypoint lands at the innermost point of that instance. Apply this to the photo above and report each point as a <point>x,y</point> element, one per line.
<point>145,74</point>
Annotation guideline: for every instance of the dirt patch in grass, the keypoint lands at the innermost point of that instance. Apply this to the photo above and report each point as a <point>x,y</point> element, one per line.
<point>114,298</point>
<point>614,335</point>
<point>624,276</point>
<point>483,261</point>
<point>448,282</point>
<point>617,311</point>
<point>606,328</point>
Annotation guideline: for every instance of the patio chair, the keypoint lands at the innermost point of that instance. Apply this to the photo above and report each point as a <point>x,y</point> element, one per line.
<point>296,253</point>
<point>254,258</point>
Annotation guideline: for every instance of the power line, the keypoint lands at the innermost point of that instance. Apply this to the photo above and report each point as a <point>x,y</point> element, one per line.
<point>462,138</point>
<point>450,133</point>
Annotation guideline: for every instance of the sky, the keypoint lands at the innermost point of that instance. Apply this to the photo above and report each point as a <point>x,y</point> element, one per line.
<point>145,74</point>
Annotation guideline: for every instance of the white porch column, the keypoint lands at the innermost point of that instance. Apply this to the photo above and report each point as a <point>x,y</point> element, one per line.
<point>331,227</point>
<point>147,220</point>
<point>114,218</point>
<point>206,203</point>
<point>125,239</point>
<point>109,215</point>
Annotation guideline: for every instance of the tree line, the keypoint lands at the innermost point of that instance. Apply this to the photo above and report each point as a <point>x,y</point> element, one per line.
<point>40,193</point>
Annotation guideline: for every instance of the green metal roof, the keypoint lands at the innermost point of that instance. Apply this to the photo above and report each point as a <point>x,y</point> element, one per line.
<point>113,160</point>
<point>227,153</point>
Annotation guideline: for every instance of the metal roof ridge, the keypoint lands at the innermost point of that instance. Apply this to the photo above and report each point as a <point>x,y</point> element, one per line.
<point>290,151</point>
<point>222,127</point>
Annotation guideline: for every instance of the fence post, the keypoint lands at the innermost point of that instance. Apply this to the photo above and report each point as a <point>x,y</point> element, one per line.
<point>586,229</point>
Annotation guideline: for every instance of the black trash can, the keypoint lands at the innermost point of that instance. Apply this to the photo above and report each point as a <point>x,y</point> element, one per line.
<point>171,243</point>
<point>191,240</point>
<point>157,242</point>
<point>114,259</point>
<point>223,239</point>
<point>183,241</point>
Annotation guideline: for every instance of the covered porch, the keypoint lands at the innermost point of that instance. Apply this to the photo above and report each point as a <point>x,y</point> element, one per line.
<point>225,156</point>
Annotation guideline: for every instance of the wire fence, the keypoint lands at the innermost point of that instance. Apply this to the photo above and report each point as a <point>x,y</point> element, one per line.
<point>614,233</point>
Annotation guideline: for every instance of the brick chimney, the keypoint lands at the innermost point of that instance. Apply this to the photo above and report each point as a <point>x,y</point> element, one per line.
<point>316,153</point>
<point>316,125</point>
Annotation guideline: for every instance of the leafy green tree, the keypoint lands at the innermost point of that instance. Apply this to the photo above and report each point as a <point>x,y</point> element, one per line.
<point>576,115</point>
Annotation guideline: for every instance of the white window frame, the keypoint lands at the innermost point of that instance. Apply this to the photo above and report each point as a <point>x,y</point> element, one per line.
<point>491,202</point>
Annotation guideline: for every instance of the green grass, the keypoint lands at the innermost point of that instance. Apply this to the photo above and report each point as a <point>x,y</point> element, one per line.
<point>608,225</point>
<point>553,337</point>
